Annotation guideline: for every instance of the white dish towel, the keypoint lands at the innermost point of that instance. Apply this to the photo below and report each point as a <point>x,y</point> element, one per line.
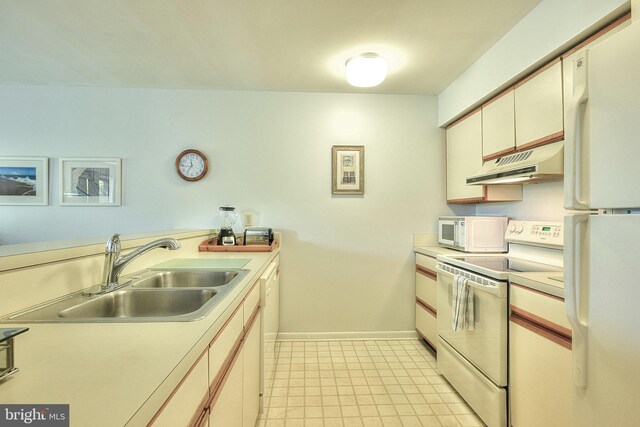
<point>462,316</point>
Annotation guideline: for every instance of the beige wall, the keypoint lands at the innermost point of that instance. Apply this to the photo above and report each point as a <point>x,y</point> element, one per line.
<point>539,202</point>
<point>346,261</point>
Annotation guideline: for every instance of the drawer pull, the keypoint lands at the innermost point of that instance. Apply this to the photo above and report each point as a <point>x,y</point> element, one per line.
<point>427,307</point>
<point>426,272</point>
<point>544,328</point>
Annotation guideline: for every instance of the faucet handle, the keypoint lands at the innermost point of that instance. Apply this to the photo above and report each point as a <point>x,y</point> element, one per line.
<point>113,244</point>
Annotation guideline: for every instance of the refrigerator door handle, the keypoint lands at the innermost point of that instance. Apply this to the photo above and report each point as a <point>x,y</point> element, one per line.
<point>575,226</point>
<point>573,146</point>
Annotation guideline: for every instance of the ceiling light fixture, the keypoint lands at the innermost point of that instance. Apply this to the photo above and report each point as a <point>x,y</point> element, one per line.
<point>366,70</point>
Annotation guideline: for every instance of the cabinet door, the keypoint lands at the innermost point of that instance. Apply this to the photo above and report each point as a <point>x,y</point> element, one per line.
<point>183,405</point>
<point>464,158</point>
<point>541,383</point>
<point>426,325</point>
<point>498,126</point>
<point>539,108</point>
<point>251,373</point>
<point>540,360</point>
<point>226,405</point>
<point>251,302</point>
<point>223,344</point>
<point>426,280</point>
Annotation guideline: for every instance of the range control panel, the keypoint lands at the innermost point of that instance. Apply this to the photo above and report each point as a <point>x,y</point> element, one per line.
<point>541,233</point>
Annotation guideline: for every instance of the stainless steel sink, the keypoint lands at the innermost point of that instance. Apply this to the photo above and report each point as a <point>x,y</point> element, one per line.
<point>149,296</point>
<point>187,279</point>
<point>141,303</point>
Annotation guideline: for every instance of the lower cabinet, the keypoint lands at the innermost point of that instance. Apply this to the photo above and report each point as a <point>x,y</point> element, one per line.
<point>251,374</point>
<point>226,406</point>
<point>187,398</point>
<point>540,360</point>
<point>426,299</point>
<point>426,325</point>
<point>222,389</point>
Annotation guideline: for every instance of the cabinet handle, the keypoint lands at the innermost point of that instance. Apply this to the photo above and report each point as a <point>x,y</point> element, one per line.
<point>427,307</point>
<point>542,327</point>
<point>200,422</point>
<point>426,272</point>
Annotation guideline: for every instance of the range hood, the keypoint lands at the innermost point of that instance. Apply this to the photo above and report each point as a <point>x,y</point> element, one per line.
<point>539,164</point>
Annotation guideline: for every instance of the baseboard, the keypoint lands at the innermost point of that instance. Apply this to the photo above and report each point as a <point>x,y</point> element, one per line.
<point>318,336</point>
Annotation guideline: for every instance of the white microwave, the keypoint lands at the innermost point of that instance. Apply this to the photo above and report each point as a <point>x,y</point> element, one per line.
<point>473,233</point>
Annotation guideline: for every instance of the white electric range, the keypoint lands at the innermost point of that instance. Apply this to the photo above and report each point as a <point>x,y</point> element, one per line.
<point>474,359</point>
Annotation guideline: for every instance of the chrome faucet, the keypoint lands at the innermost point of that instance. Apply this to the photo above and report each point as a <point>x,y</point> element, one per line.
<point>114,263</point>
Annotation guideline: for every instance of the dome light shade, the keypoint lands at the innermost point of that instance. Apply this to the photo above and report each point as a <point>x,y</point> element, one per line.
<point>366,70</point>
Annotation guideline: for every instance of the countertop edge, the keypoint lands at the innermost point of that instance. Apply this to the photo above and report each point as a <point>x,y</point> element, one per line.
<point>434,251</point>
<point>543,285</point>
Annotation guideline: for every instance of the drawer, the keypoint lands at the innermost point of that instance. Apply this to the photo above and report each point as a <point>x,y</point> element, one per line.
<point>545,306</point>
<point>485,398</point>
<point>426,288</point>
<point>251,301</point>
<point>426,280</point>
<point>426,325</point>
<point>220,349</point>
<point>426,262</point>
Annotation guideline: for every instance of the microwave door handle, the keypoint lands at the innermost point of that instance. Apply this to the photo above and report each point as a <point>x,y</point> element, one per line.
<point>456,230</point>
<point>574,144</point>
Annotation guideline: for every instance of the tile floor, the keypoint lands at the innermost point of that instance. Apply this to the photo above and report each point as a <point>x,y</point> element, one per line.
<point>360,383</point>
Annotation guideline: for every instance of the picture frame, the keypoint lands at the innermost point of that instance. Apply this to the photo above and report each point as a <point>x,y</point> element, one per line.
<point>90,181</point>
<point>347,169</point>
<point>24,181</point>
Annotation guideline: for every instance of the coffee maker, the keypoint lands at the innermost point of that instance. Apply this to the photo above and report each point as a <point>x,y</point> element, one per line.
<point>228,217</point>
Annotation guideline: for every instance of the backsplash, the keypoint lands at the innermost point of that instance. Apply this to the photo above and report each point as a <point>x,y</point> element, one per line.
<point>543,201</point>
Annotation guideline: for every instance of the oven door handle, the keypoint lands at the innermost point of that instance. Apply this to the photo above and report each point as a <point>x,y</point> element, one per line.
<point>499,290</point>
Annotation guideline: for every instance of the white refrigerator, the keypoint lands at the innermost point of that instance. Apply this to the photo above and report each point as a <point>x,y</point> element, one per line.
<point>602,243</point>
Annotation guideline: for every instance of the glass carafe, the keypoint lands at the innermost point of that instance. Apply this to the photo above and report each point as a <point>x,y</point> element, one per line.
<point>228,217</point>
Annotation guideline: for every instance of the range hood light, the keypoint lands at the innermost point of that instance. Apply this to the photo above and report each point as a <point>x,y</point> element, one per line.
<point>514,180</point>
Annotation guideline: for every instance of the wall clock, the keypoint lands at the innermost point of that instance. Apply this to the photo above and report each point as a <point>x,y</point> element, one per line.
<point>191,165</point>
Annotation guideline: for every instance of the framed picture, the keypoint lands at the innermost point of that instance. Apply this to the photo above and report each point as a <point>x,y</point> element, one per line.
<point>90,182</point>
<point>347,169</point>
<point>24,181</point>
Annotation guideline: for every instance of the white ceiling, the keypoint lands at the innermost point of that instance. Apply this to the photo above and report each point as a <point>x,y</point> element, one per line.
<point>277,45</point>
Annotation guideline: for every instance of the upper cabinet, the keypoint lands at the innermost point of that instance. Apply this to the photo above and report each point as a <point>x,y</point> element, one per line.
<point>539,115</point>
<point>527,115</point>
<point>498,126</point>
<point>464,158</point>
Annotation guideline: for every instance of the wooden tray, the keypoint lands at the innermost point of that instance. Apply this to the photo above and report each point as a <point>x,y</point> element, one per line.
<point>211,245</point>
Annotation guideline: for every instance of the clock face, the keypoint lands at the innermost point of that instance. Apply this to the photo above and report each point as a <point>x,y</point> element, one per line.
<point>191,165</point>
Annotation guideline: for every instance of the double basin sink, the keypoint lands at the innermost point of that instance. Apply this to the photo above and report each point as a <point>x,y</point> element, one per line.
<point>150,296</point>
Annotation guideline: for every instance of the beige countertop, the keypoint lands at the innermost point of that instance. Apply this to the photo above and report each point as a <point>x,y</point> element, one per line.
<point>116,374</point>
<point>549,283</point>
<point>434,251</point>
